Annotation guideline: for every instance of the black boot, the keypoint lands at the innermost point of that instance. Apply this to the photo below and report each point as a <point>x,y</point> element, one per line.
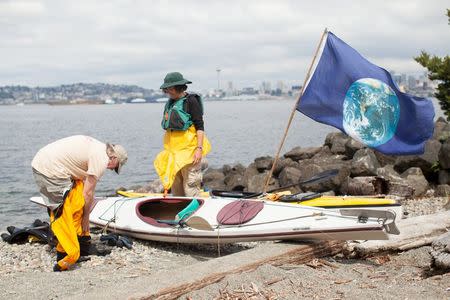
<point>60,255</point>
<point>57,268</point>
<point>85,245</point>
<point>87,248</point>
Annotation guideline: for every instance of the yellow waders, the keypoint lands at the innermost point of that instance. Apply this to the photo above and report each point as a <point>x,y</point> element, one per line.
<point>179,148</point>
<point>67,227</point>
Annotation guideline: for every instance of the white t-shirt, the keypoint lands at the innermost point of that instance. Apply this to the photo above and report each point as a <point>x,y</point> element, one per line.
<point>76,157</point>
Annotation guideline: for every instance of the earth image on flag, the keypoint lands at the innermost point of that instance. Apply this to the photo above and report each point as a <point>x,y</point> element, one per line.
<point>371,112</point>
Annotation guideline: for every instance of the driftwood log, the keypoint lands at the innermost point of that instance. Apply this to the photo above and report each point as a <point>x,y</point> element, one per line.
<point>298,255</point>
<point>414,232</point>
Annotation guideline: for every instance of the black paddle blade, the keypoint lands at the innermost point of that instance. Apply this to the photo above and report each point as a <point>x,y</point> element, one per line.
<point>230,194</point>
<point>320,177</point>
<point>315,179</point>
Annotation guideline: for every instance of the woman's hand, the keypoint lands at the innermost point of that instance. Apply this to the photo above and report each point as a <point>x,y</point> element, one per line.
<point>197,156</point>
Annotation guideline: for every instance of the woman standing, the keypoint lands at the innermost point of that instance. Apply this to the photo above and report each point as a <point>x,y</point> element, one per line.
<point>185,143</point>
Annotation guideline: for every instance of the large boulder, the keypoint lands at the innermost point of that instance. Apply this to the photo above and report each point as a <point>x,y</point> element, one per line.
<point>289,176</point>
<point>235,182</point>
<point>443,190</point>
<point>336,141</point>
<point>441,130</point>
<point>236,169</point>
<point>257,182</point>
<point>409,184</point>
<point>299,153</point>
<point>214,179</point>
<point>385,159</point>
<point>333,161</point>
<point>323,162</point>
<point>263,163</point>
<point>324,152</point>
<point>444,155</point>
<point>365,185</point>
<point>352,146</point>
<point>309,170</point>
<point>249,172</point>
<point>424,161</point>
<point>154,186</point>
<point>283,163</point>
<point>417,180</point>
<point>389,174</point>
<point>364,163</point>
<point>332,183</point>
<point>444,177</point>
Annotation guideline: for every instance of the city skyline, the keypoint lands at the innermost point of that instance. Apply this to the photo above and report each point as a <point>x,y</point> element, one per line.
<point>108,93</point>
<point>48,43</point>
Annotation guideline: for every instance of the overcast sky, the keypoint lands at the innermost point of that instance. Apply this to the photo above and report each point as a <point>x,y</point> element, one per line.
<point>137,42</point>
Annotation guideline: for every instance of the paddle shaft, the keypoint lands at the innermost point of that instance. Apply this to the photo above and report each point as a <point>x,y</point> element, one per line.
<point>315,179</point>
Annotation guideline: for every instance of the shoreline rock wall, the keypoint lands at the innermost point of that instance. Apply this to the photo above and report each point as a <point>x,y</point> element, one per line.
<point>362,171</point>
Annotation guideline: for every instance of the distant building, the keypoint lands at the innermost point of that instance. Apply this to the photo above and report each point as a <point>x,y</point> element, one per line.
<point>397,79</point>
<point>404,78</point>
<point>281,86</point>
<point>230,90</point>
<point>411,82</point>
<point>266,87</point>
<point>248,91</point>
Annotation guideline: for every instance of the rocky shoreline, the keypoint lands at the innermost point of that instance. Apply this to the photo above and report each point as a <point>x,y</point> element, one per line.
<point>362,171</point>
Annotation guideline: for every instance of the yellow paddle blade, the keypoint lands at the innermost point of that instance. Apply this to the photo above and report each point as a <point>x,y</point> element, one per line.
<point>131,194</point>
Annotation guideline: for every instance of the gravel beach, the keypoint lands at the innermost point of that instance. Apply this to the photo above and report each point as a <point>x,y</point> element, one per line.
<point>26,271</point>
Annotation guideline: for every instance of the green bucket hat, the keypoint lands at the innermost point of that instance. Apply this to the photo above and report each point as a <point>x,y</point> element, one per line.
<point>173,79</point>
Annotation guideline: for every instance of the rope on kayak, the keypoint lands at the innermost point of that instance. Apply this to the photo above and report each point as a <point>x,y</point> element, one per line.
<point>113,219</point>
<point>218,241</point>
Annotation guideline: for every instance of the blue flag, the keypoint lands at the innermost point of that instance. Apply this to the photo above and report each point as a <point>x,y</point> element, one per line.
<point>352,94</point>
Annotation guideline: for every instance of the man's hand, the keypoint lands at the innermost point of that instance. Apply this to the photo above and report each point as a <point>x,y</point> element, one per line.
<point>197,156</point>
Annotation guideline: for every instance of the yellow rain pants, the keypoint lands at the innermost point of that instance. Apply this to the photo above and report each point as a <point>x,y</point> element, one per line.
<point>179,148</point>
<point>67,227</point>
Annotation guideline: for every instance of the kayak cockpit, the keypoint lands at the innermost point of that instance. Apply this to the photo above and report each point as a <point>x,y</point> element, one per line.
<point>153,210</point>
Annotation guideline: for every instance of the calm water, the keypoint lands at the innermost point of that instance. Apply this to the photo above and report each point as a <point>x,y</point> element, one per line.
<point>238,131</point>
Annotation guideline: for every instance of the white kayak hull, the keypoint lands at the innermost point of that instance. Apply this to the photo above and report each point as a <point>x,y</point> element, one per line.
<point>137,217</point>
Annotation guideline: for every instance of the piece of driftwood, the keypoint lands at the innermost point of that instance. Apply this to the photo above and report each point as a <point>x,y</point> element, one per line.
<point>298,255</point>
<point>402,189</point>
<point>414,232</point>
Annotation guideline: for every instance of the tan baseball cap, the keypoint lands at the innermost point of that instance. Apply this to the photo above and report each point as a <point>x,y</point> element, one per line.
<point>120,153</point>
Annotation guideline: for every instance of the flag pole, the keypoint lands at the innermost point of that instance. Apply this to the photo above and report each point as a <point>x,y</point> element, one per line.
<point>308,74</point>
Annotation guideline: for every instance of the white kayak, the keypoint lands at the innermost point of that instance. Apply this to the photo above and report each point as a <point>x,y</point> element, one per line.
<point>225,220</point>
